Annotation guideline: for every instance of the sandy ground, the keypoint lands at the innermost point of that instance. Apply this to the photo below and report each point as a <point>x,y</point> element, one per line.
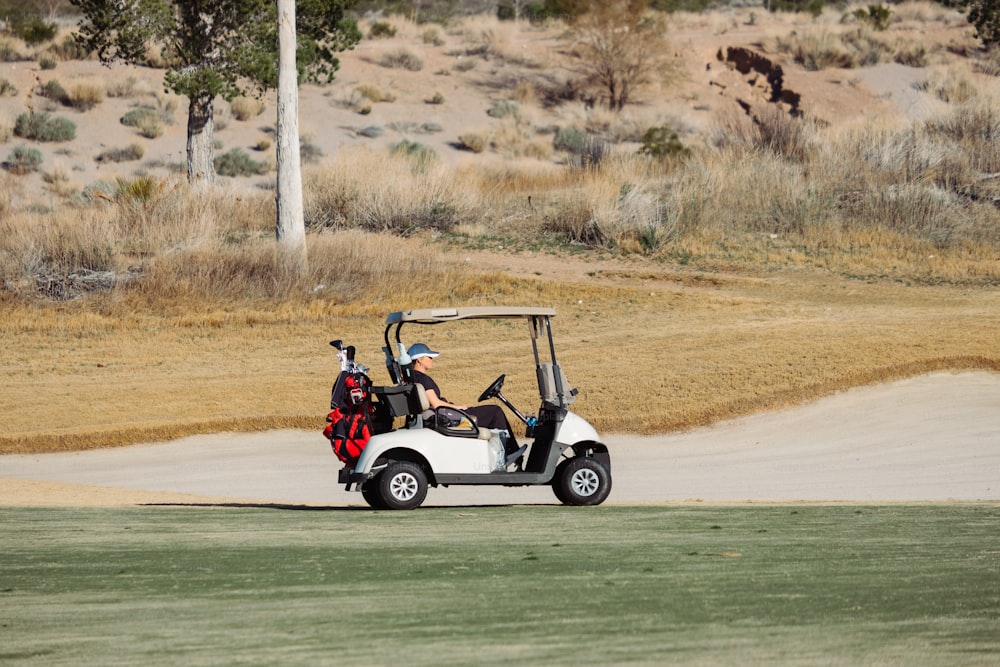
<point>702,92</point>
<point>933,438</point>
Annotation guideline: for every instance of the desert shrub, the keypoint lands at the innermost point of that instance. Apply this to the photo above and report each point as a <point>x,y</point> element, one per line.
<point>989,63</point>
<point>911,53</point>
<point>9,52</point>
<point>436,98</point>
<point>126,88</point>
<point>46,63</point>
<point>34,31</point>
<point>813,7</point>
<point>505,109</point>
<point>148,121</point>
<point>308,150</point>
<point>262,145</point>
<point>381,30</point>
<point>7,88</point>
<point>134,117</point>
<point>433,37</point>
<point>411,194</point>
<point>68,49</point>
<point>663,142</point>
<point>142,189</point>
<point>770,129</point>
<point>876,16</point>
<point>245,108</point>
<point>401,59</point>
<point>42,127</point>
<point>151,127</point>
<point>414,150</point>
<point>85,96</point>
<point>130,153</point>
<point>865,49</point>
<point>476,142</point>
<point>374,93</point>
<point>570,139</point>
<point>23,160</point>
<point>53,90</point>
<point>780,132</point>
<point>955,88</point>
<point>585,149</point>
<point>815,51</point>
<point>236,162</point>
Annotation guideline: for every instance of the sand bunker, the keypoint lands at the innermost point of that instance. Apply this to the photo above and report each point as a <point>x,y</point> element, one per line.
<point>934,438</point>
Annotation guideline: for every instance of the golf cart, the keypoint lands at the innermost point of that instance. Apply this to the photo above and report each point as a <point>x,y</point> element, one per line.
<point>413,447</point>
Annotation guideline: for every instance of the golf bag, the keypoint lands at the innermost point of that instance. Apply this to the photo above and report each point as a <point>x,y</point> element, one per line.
<point>349,424</point>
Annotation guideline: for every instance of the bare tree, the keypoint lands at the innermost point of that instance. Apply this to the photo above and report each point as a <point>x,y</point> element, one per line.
<point>619,45</point>
<point>290,230</point>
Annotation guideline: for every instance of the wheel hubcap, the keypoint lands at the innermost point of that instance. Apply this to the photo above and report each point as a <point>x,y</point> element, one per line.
<point>585,482</point>
<point>403,486</point>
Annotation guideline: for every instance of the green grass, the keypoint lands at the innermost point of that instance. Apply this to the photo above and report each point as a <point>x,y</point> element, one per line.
<point>490,585</point>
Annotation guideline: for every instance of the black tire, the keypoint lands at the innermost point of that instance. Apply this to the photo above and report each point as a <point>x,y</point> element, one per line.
<point>372,495</point>
<point>582,481</point>
<point>557,486</point>
<point>402,486</point>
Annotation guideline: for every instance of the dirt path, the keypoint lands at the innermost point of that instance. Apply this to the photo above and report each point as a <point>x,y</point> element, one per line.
<point>934,438</point>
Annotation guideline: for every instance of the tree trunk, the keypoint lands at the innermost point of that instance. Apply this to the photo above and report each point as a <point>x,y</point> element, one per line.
<point>290,230</point>
<point>201,140</point>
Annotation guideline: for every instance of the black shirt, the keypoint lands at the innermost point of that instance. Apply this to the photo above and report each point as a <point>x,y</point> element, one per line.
<point>428,384</point>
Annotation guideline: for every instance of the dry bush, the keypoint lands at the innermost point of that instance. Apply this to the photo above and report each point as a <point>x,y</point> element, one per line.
<point>910,53</point>
<point>770,128</point>
<point>246,108</point>
<point>953,86</point>
<point>85,96</point>
<point>432,36</point>
<point>127,88</point>
<point>374,93</point>
<point>383,192</point>
<point>474,141</point>
<point>401,59</point>
<point>815,50</point>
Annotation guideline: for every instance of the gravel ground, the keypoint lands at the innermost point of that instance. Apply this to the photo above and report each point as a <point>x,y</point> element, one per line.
<point>933,438</point>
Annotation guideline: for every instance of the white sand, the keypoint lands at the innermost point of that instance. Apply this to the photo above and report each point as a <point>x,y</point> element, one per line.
<point>934,438</point>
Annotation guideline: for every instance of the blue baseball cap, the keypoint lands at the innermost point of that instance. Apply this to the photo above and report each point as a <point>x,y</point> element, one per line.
<point>418,350</point>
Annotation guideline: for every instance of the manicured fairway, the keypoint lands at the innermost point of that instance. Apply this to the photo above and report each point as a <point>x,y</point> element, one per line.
<point>802,585</point>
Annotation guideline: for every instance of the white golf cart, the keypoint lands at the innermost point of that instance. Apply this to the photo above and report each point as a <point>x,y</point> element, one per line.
<point>446,447</point>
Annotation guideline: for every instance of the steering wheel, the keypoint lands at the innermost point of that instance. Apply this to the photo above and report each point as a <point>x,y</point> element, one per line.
<point>492,390</point>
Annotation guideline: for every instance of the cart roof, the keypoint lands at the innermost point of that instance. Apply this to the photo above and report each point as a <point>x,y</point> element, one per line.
<point>435,315</point>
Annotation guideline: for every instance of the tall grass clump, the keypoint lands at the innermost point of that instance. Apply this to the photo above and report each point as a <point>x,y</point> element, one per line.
<point>85,96</point>
<point>246,108</point>
<point>385,192</point>
<point>770,128</point>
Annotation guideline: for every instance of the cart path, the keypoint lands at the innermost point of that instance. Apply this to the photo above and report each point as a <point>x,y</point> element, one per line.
<point>931,438</point>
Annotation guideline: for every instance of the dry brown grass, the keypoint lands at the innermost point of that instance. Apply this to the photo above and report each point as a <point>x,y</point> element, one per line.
<point>651,349</point>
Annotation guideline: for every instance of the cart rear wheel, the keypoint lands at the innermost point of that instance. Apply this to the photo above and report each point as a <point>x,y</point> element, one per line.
<point>402,486</point>
<point>370,492</point>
